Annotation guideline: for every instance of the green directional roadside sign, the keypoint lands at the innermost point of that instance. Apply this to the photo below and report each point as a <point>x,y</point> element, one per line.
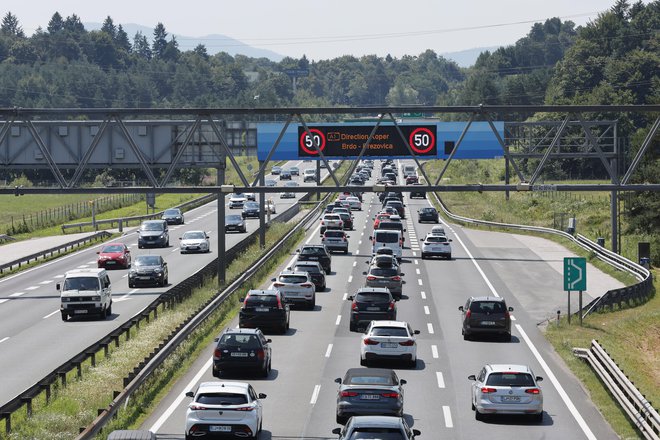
<point>575,273</point>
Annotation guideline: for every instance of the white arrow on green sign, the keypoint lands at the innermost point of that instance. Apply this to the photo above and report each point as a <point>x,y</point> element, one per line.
<point>575,273</point>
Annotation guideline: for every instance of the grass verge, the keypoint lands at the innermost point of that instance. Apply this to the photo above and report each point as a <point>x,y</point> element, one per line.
<point>75,405</point>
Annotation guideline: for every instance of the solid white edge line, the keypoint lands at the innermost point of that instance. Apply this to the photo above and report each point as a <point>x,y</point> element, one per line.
<point>4,339</point>
<point>446,411</point>
<point>173,406</point>
<point>434,351</point>
<point>328,351</point>
<point>50,314</point>
<point>564,396</point>
<point>440,379</point>
<point>481,272</point>
<point>315,394</point>
<point>429,326</point>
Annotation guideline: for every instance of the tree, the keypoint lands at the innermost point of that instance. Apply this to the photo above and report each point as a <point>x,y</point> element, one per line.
<point>56,23</point>
<point>73,24</point>
<point>141,46</point>
<point>121,40</point>
<point>200,50</point>
<point>109,27</point>
<point>10,26</point>
<point>160,41</point>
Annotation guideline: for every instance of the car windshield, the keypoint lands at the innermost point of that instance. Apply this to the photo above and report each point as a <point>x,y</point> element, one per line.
<point>194,235</point>
<point>252,205</point>
<point>389,331</point>
<point>436,239</point>
<point>237,340</point>
<point>261,300</point>
<point>307,268</point>
<point>382,272</point>
<point>152,226</point>
<point>312,251</point>
<point>487,307</point>
<point>81,283</point>
<point>372,297</point>
<point>221,398</point>
<point>171,212</point>
<point>112,248</point>
<point>386,238</point>
<point>292,279</point>
<point>147,260</point>
<point>233,218</point>
<point>510,380</point>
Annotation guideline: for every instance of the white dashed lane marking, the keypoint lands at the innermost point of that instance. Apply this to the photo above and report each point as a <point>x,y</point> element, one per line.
<point>418,271</point>
<point>17,294</point>
<point>328,351</point>
<point>429,326</point>
<point>350,279</point>
<point>447,413</point>
<point>4,339</point>
<point>32,288</point>
<point>440,378</point>
<point>419,281</point>
<point>426,310</point>
<point>46,282</point>
<point>434,351</point>
<point>423,295</point>
<point>338,320</point>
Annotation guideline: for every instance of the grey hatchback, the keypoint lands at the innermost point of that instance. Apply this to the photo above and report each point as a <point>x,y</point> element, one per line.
<point>381,427</point>
<point>486,315</point>
<point>384,273</point>
<point>369,391</point>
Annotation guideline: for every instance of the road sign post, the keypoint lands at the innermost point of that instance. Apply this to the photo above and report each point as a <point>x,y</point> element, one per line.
<point>575,278</point>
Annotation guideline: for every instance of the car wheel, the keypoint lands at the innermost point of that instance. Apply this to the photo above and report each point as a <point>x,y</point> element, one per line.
<point>131,285</point>
<point>423,256</point>
<point>64,316</point>
<point>341,419</point>
<point>166,281</point>
<point>478,415</point>
<point>466,337</point>
<point>139,246</point>
<point>108,311</point>
<point>283,328</point>
<point>363,362</point>
<point>346,252</point>
<point>266,371</point>
<point>352,327</point>
<point>472,405</point>
<point>312,304</point>
<point>449,257</point>
<point>506,337</point>
<point>412,363</point>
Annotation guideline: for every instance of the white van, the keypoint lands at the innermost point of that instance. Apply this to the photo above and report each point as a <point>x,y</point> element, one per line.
<point>389,239</point>
<point>309,175</point>
<point>409,170</point>
<point>85,292</point>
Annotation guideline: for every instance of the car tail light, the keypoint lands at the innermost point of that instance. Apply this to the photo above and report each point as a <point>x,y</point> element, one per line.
<point>244,408</point>
<point>533,391</point>
<point>348,394</point>
<point>408,343</point>
<point>392,395</point>
<point>368,341</point>
<point>341,223</point>
<point>197,407</point>
<point>260,354</point>
<point>343,238</point>
<point>354,306</point>
<point>322,222</point>
<point>392,305</point>
<point>217,354</point>
<point>279,302</point>
<point>278,284</point>
<point>487,390</point>
<point>468,314</point>
<point>507,315</point>
<point>306,285</point>
<point>396,278</point>
<point>371,278</point>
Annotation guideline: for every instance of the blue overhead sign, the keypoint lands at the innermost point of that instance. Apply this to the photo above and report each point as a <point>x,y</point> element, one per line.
<point>479,142</point>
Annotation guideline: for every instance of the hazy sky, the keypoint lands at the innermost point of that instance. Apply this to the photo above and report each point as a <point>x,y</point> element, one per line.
<point>324,29</point>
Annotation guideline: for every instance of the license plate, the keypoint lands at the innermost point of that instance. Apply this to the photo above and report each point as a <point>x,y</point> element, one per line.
<point>313,258</point>
<point>222,428</point>
<point>110,262</point>
<point>369,396</point>
<point>144,278</point>
<point>239,354</point>
<point>373,309</point>
<point>510,398</point>
<point>389,344</point>
<point>487,322</point>
<point>81,312</point>
<point>261,309</point>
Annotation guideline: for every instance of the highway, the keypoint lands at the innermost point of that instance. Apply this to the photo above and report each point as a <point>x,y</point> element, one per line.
<point>319,347</point>
<point>33,338</point>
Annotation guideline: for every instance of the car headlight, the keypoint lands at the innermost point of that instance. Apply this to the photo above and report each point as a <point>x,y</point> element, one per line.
<point>162,236</point>
<point>66,299</point>
<point>158,269</point>
<point>96,298</point>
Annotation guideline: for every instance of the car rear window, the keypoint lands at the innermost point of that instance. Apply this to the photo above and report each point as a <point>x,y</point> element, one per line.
<point>487,307</point>
<point>332,217</point>
<point>292,279</point>
<point>261,300</point>
<point>390,225</point>
<point>312,251</point>
<point>377,434</point>
<point>436,239</point>
<point>307,268</point>
<point>335,234</point>
<point>387,238</point>
<point>394,203</point>
<point>389,331</point>
<point>367,379</point>
<point>373,297</point>
<point>382,272</point>
<point>428,210</point>
<point>510,380</point>
<point>222,398</point>
<point>236,340</point>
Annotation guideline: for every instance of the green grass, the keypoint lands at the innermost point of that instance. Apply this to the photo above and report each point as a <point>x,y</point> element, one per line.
<point>76,404</point>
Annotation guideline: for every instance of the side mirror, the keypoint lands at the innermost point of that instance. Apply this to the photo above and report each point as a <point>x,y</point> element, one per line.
<point>539,378</point>
<point>472,377</point>
<point>404,230</point>
<point>510,309</point>
<point>417,432</point>
<point>364,273</point>
<point>58,287</point>
<point>262,396</point>
<point>190,394</point>
<point>273,279</point>
<point>180,238</point>
<point>269,340</point>
<point>216,339</point>
<point>164,263</point>
<point>415,332</point>
<point>349,298</point>
<point>239,300</point>
<point>98,252</point>
<point>450,240</point>
<point>370,237</point>
<point>336,431</point>
<point>298,250</point>
<point>421,239</point>
<point>403,274</point>
<point>460,308</point>
<point>338,380</point>
<point>403,382</point>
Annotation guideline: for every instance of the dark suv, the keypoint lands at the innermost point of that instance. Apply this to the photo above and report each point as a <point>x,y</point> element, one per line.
<point>315,271</point>
<point>428,214</point>
<point>242,349</point>
<point>486,315</point>
<point>153,233</point>
<point>264,309</point>
<point>369,304</point>
<point>316,252</point>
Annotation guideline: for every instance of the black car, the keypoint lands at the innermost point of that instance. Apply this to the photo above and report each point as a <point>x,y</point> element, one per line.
<point>399,206</point>
<point>394,194</point>
<point>285,175</point>
<point>315,271</point>
<point>417,193</point>
<point>242,349</point>
<point>264,309</point>
<point>316,252</point>
<point>250,209</point>
<point>428,214</point>
<point>371,304</point>
<point>235,222</point>
<point>148,269</point>
<point>347,219</point>
<point>173,216</point>
<point>153,233</point>
<point>486,315</point>
<point>329,208</point>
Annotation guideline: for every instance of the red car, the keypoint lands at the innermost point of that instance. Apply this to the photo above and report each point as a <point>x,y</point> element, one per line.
<point>379,217</point>
<point>114,255</point>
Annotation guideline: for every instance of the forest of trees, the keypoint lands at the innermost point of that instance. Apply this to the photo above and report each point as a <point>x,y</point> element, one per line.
<point>614,59</point>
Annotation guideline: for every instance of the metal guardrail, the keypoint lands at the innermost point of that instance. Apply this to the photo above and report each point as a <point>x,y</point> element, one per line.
<point>639,410</point>
<point>124,221</point>
<point>627,294</point>
<point>102,235</point>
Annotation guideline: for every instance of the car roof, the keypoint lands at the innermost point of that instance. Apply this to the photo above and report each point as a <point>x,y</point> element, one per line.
<point>197,231</point>
<point>83,272</point>
<point>245,331</point>
<point>230,387</point>
<point>503,368</point>
<point>293,272</point>
<point>264,292</point>
<point>487,298</point>
<point>373,290</point>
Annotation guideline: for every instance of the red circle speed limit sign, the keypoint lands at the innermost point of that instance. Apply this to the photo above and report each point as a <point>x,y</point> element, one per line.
<point>421,140</point>
<point>307,142</point>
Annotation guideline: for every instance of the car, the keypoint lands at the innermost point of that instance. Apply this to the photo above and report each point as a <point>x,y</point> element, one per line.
<point>329,208</point>
<point>153,233</point>
<point>270,182</point>
<point>383,260</point>
<point>437,230</point>
<point>287,195</point>
<point>417,193</point>
<point>397,195</point>
<point>251,197</point>
<point>250,210</point>
<point>270,207</point>
<point>486,315</point>
<point>173,216</point>
<point>331,221</point>
<point>356,180</point>
<point>506,389</point>
<point>428,214</point>
<point>114,255</point>
<point>85,292</point>
<point>390,238</point>
<point>390,176</point>
<point>394,224</point>
<point>264,309</point>
<point>148,269</point>
<point>379,427</point>
<point>380,217</point>
<point>315,271</point>
<point>399,206</point>
<point>240,350</point>
<point>237,200</point>
<point>309,175</point>
<point>389,210</point>
<point>295,171</point>
<point>275,170</point>
<point>335,240</point>
<point>389,198</point>
<point>354,203</point>
<point>346,217</point>
<point>285,175</point>
<point>369,391</point>
<point>385,274</point>
<point>235,222</point>
<point>436,246</point>
<point>411,179</point>
<point>389,340</point>
<point>316,252</point>
<point>369,304</point>
<point>195,241</point>
<point>224,408</point>
<point>296,288</point>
